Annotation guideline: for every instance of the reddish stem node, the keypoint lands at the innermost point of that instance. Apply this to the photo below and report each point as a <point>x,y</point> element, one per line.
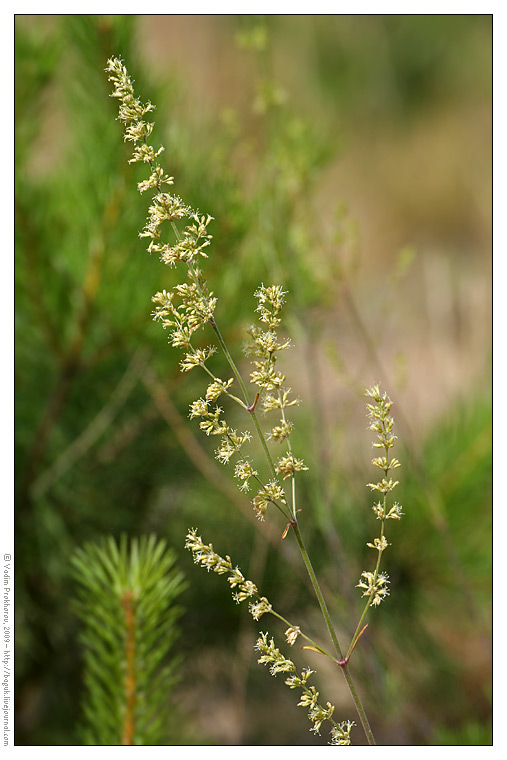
<point>252,407</point>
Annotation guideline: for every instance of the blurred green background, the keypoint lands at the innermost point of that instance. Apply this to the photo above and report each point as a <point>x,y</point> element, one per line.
<point>349,158</point>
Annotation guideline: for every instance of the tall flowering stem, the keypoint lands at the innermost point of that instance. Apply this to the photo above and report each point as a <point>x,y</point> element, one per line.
<point>374,585</point>
<point>185,311</point>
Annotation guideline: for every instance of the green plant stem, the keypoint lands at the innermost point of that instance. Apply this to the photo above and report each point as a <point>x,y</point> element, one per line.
<point>359,705</point>
<point>216,379</point>
<point>303,635</point>
<point>358,627</point>
<point>316,586</point>
<point>264,444</point>
<point>325,612</point>
<point>231,362</point>
<point>289,449</point>
<point>368,603</point>
<point>245,394</point>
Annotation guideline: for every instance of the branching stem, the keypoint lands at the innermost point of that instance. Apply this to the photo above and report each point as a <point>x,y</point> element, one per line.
<point>325,612</point>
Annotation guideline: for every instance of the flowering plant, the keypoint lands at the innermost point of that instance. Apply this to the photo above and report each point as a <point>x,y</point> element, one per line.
<point>187,310</point>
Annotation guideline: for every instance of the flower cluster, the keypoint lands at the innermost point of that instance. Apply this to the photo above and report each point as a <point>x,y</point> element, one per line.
<point>190,306</point>
<point>131,111</point>
<point>270,493</point>
<point>288,465</point>
<point>272,656</point>
<point>243,472</point>
<point>185,310</point>
<point>212,423</point>
<point>317,713</point>
<point>264,344</point>
<point>340,734</point>
<point>264,347</point>
<point>205,555</point>
<point>292,633</point>
<point>375,585</point>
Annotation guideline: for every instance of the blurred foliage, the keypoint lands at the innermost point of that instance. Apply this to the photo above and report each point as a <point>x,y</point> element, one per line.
<point>471,734</point>
<point>102,445</point>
